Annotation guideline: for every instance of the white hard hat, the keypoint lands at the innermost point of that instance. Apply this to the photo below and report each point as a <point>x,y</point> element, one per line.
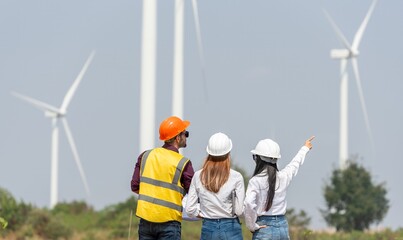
<point>219,144</point>
<point>267,148</point>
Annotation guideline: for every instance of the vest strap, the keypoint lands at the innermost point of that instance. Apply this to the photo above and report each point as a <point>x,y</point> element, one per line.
<point>162,184</point>
<point>178,171</point>
<point>143,161</point>
<point>160,202</point>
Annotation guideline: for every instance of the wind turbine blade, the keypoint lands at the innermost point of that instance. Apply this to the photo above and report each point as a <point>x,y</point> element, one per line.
<point>339,33</point>
<point>36,103</point>
<point>73,88</point>
<point>200,46</point>
<point>361,95</point>
<point>361,29</point>
<point>75,154</point>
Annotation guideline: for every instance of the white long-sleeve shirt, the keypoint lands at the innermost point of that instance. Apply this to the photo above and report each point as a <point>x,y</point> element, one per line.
<point>256,193</point>
<point>226,203</point>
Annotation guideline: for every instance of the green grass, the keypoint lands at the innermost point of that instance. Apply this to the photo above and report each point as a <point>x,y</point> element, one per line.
<point>113,222</point>
<point>192,230</point>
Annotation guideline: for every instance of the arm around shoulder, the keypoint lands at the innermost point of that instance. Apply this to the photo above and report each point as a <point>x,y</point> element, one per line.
<point>239,195</point>
<point>192,205</point>
<point>250,206</point>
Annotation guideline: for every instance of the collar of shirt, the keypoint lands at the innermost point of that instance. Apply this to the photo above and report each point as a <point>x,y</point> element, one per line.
<point>170,147</point>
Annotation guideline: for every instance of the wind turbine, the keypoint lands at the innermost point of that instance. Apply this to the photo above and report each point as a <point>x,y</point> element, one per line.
<point>350,52</point>
<point>178,83</point>
<point>57,114</point>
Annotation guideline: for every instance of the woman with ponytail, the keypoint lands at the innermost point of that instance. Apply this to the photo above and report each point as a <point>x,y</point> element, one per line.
<point>265,203</point>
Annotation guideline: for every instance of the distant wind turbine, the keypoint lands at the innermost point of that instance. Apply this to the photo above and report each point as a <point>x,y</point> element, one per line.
<point>350,52</point>
<point>57,114</point>
<point>178,83</point>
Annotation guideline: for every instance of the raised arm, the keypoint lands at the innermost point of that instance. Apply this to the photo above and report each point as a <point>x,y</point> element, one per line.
<point>291,169</point>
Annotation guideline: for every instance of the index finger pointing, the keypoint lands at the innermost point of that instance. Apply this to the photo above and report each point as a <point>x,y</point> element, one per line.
<point>311,138</point>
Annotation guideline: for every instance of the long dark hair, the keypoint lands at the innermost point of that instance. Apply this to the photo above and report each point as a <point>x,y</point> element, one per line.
<point>271,178</point>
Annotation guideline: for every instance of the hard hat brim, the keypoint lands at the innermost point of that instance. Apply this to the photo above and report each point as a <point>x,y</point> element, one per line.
<point>264,155</point>
<point>186,123</point>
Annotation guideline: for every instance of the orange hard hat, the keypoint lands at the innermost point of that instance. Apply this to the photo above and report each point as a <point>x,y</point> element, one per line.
<point>171,127</point>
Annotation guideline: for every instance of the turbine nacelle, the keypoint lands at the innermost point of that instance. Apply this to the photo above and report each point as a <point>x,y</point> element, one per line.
<point>343,53</point>
<point>50,114</point>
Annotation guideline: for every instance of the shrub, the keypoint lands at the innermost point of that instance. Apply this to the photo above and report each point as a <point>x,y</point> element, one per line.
<point>117,217</point>
<point>14,213</point>
<point>8,208</point>
<point>73,208</point>
<point>46,226</point>
<point>3,223</point>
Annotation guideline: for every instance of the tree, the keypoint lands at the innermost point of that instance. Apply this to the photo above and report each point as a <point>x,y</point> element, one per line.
<point>354,202</point>
<point>297,221</point>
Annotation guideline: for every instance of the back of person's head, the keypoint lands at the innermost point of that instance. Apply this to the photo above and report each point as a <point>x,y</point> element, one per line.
<point>216,167</point>
<point>266,154</point>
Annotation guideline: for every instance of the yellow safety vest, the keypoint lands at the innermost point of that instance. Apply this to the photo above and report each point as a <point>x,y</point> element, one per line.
<point>160,192</point>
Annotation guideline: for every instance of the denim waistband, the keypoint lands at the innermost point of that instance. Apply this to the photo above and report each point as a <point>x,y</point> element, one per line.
<point>218,220</point>
<point>271,217</point>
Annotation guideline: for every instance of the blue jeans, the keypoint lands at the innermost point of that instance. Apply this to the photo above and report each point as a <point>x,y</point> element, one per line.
<point>161,231</point>
<point>277,228</point>
<point>221,229</point>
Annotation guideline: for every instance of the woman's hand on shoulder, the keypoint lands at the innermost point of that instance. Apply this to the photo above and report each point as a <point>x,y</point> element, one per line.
<point>308,143</point>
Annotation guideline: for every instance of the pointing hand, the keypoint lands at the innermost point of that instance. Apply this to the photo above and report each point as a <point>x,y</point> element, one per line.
<point>308,143</point>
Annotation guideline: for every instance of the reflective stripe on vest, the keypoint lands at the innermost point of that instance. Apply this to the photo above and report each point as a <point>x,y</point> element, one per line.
<point>160,202</point>
<point>162,184</point>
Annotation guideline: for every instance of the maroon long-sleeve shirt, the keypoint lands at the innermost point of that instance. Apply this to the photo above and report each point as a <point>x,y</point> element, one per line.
<point>185,180</point>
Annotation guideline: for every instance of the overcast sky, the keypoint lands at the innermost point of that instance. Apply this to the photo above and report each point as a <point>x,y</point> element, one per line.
<point>269,75</point>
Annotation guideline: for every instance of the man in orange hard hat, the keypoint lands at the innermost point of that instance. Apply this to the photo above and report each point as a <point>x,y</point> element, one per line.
<point>161,177</point>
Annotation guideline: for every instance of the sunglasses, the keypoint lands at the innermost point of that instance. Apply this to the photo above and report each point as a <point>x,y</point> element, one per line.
<point>186,133</point>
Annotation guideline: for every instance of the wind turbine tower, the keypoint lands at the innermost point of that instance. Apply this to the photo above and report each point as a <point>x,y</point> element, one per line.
<point>148,75</point>
<point>56,114</point>
<point>148,67</point>
<point>178,82</point>
<point>177,86</point>
<point>349,52</point>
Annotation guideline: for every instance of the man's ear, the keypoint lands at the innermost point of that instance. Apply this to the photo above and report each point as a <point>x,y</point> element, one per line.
<point>176,138</point>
